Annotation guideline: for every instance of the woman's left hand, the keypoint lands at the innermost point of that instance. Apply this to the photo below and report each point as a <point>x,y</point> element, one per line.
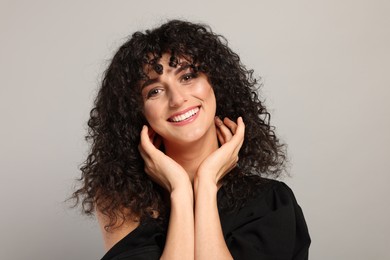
<point>225,158</point>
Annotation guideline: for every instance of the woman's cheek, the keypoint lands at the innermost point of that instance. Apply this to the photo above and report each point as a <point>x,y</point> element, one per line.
<point>203,90</point>
<point>149,114</point>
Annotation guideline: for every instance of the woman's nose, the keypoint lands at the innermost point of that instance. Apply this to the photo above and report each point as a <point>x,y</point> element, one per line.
<point>176,96</point>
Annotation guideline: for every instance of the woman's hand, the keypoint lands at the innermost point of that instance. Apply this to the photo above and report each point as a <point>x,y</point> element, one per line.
<point>225,158</point>
<point>161,168</point>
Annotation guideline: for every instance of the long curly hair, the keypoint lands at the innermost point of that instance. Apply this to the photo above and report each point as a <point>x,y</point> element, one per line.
<point>113,178</point>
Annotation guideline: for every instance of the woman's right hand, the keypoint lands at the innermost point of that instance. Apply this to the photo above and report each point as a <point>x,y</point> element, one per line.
<point>231,136</point>
<point>161,168</point>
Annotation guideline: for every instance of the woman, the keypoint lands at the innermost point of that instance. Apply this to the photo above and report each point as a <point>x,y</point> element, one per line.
<point>167,177</point>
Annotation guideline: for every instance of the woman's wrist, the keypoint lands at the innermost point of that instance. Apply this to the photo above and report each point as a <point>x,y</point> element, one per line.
<point>182,189</point>
<point>206,184</point>
<point>180,182</point>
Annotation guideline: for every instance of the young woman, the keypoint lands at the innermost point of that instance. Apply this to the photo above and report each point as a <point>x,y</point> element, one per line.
<point>183,154</point>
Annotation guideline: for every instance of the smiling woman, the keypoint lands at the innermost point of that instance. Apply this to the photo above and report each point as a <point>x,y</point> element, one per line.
<point>183,155</point>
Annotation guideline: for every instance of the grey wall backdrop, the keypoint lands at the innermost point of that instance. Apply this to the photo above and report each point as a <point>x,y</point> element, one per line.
<point>325,66</point>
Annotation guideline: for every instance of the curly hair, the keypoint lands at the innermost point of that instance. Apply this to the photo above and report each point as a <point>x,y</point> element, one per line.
<point>113,178</point>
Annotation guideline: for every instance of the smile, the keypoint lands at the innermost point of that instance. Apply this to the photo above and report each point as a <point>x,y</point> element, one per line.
<point>184,116</point>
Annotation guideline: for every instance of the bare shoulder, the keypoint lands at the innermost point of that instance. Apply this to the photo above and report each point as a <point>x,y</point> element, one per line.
<point>114,234</point>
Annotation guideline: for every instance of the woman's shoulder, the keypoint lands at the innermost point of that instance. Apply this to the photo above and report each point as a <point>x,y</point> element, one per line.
<point>255,187</point>
<point>267,194</point>
<point>112,234</point>
<point>267,198</point>
<point>270,221</point>
<point>271,189</point>
<point>273,197</point>
<point>130,238</point>
<point>146,241</point>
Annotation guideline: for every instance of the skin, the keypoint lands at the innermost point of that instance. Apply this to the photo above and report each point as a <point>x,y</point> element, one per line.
<point>193,163</point>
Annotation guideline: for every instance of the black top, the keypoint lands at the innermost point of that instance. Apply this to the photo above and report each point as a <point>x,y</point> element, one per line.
<point>270,226</point>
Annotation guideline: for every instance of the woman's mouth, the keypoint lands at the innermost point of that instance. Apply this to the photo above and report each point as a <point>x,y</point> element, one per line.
<point>184,116</point>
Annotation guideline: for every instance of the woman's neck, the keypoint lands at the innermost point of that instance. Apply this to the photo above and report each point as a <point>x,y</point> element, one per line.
<point>191,155</point>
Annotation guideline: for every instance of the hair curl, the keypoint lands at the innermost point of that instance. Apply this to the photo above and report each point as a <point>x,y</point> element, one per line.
<point>113,177</point>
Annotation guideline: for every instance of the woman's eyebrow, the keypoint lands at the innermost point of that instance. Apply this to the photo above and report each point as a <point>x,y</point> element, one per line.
<point>178,69</point>
<point>149,82</point>
<point>182,67</point>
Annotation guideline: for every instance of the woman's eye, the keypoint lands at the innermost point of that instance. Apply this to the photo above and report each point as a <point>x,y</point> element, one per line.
<point>154,92</point>
<point>187,77</point>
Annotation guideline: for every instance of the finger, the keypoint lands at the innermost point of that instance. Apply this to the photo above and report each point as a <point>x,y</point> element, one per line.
<point>144,133</point>
<point>238,139</point>
<point>240,131</point>
<point>218,121</point>
<point>145,141</point>
<point>220,137</point>
<point>141,146</point>
<point>143,153</point>
<point>231,124</point>
<point>226,133</point>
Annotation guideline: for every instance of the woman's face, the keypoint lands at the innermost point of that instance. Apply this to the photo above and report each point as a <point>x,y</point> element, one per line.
<point>179,104</point>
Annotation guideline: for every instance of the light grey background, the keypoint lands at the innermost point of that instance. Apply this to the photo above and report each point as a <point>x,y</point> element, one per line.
<point>325,65</point>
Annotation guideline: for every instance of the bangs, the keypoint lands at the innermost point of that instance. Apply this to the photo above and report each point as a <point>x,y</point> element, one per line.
<point>152,67</point>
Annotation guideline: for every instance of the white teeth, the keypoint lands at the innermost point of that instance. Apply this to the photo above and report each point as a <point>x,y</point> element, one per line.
<point>185,115</point>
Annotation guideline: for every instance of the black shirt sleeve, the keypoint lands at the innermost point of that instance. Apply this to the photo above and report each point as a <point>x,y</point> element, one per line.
<point>269,226</point>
